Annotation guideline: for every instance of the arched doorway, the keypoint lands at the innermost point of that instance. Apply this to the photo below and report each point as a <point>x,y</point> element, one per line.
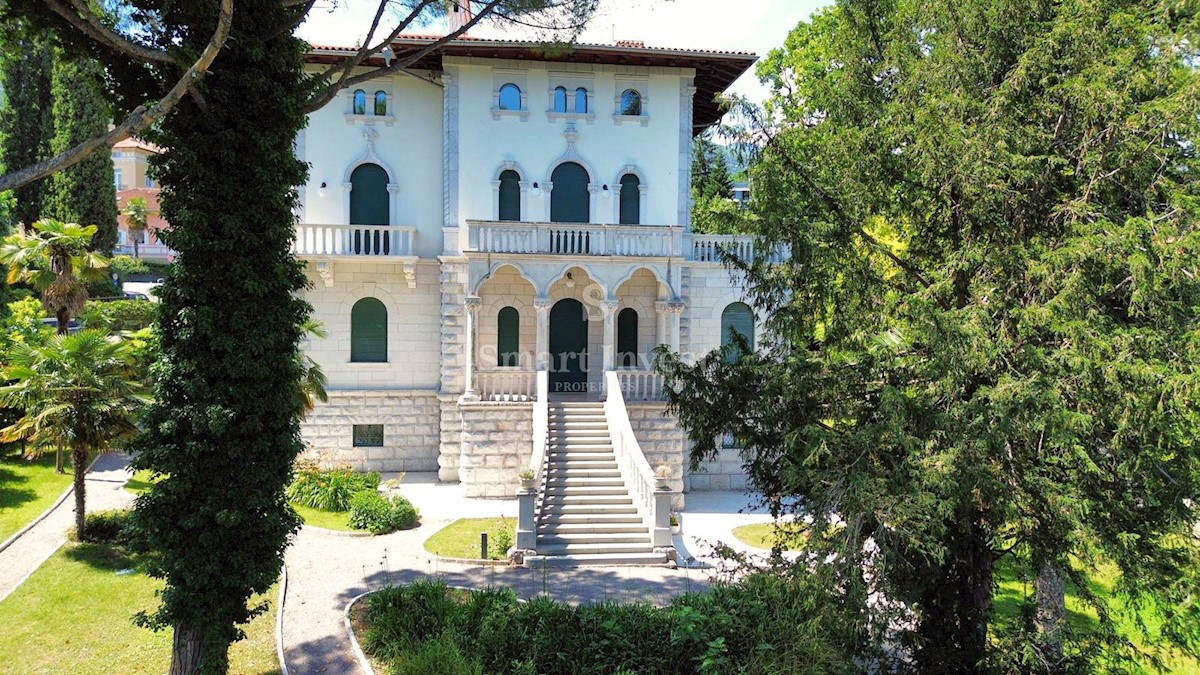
<point>570,201</point>
<point>568,347</point>
<point>370,204</point>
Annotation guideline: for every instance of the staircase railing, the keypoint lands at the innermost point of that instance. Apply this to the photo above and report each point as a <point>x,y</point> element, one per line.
<point>527,498</point>
<point>653,503</point>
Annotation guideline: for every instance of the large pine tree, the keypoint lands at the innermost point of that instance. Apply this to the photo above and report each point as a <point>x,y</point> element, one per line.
<point>83,193</point>
<point>982,353</point>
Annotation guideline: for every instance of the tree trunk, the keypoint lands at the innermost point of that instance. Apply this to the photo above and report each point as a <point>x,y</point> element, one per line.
<point>134,237</point>
<point>956,607</point>
<point>63,317</point>
<point>79,460</point>
<point>1050,592</point>
<point>58,460</point>
<point>187,650</point>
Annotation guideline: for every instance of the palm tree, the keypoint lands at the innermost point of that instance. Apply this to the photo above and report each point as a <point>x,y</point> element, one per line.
<point>312,379</point>
<point>78,391</point>
<point>137,219</point>
<point>55,260</point>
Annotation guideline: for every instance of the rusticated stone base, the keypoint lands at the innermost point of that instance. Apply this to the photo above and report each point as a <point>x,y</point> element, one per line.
<point>410,419</point>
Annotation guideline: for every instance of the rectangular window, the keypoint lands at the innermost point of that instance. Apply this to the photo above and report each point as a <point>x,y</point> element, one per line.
<point>116,179</point>
<point>149,182</point>
<point>368,435</point>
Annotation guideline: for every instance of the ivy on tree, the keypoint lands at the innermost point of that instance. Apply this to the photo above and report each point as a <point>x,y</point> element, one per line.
<point>983,348</point>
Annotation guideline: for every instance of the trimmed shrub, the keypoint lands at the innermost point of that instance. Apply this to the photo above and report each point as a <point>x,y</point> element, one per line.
<point>768,622</point>
<point>371,511</point>
<point>119,315</point>
<point>329,489</point>
<point>107,527</point>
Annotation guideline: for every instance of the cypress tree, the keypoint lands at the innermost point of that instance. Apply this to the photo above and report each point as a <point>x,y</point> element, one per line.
<point>26,61</point>
<point>83,193</point>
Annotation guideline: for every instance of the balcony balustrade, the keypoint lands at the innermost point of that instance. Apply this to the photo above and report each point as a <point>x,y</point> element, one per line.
<point>354,240</point>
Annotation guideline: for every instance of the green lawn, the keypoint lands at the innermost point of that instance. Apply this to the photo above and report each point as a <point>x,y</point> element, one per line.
<point>73,615</point>
<point>460,539</point>
<point>330,520</point>
<point>27,487</point>
<point>1013,589</point>
<point>763,535</point>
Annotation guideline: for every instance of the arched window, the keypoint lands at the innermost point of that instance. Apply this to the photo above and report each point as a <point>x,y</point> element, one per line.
<point>570,201</point>
<point>360,102</point>
<point>510,195</point>
<point>740,318</point>
<point>631,102</point>
<point>508,337</point>
<point>510,97</point>
<point>368,332</point>
<point>627,338</point>
<point>380,103</point>
<point>581,101</point>
<point>631,200</point>
<point>560,99</point>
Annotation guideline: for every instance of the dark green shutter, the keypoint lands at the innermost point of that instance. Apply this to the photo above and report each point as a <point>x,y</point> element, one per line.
<point>508,336</point>
<point>627,338</point>
<point>368,331</point>
<point>510,195</point>
<point>369,196</point>
<point>737,317</point>
<point>570,201</point>
<point>631,200</point>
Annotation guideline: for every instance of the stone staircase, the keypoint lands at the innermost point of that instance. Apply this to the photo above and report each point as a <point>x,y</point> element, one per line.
<point>587,515</point>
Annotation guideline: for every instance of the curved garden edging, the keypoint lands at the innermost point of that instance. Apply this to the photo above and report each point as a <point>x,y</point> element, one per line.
<point>279,620</point>
<point>46,514</point>
<point>358,652</point>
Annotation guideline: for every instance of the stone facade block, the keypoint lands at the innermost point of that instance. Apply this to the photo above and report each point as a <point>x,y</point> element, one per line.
<point>410,422</point>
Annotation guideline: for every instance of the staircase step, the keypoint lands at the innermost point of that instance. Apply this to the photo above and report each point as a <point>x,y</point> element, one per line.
<point>577,508</point>
<point>583,464</point>
<point>565,470</point>
<point>557,497</point>
<point>583,503</point>
<point>598,559</point>
<point>605,519</point>
<point>594,527</point>
<point>561,479</point>
<point>545,539</point>
<point>569,549</point>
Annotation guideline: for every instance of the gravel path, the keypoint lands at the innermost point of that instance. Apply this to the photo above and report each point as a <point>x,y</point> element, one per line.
<point>27,553</point>
<point>327,570</point>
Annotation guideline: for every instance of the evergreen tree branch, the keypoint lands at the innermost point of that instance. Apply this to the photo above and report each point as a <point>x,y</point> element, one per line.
<point>326,95</point>
<point>137,121</point>
<point>81,17</point>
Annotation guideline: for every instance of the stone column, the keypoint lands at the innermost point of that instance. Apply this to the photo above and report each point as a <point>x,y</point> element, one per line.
<point>674,311</point>
<point>609,307</point>
<point>664,325</point>
<point>542,305</point>
<point>474,302</point>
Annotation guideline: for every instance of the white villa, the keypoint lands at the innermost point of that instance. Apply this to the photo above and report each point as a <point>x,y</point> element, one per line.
<point>497,239</point>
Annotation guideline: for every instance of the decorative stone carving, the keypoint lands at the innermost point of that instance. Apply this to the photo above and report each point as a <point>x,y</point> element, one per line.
<point>410,273</point>
<point>325,269</point>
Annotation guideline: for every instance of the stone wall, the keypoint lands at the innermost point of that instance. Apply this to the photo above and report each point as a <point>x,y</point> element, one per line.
<point>410,420</point>
<point>497,441</point>
<point>724,473</point>
<point>662,442</point>
<point>451,438</point>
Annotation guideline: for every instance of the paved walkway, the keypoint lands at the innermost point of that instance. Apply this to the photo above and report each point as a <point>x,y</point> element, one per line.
<point>326,570</point>
<point>28,552</point>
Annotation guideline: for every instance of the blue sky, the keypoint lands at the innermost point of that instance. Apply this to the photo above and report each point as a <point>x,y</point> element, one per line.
<point>749,25</point>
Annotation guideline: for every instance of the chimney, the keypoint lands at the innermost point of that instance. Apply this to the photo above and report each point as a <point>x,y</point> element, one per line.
<point>459,14</point>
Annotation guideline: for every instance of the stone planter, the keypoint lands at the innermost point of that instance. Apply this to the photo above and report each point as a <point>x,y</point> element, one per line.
<point>528,483</point>
<point>660,483</point>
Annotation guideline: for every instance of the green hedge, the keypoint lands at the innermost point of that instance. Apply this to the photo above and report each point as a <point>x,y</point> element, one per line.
<point>119,315</point>
<point>765,623</point>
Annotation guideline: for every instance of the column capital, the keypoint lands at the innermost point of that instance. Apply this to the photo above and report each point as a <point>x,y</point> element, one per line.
<point>609,307</point>
<point>473,303</point>
<point>669,307</point>
<point>542,304</point>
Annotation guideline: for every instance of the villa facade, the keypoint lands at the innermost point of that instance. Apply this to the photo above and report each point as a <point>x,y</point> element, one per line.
<point>494,218</point>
